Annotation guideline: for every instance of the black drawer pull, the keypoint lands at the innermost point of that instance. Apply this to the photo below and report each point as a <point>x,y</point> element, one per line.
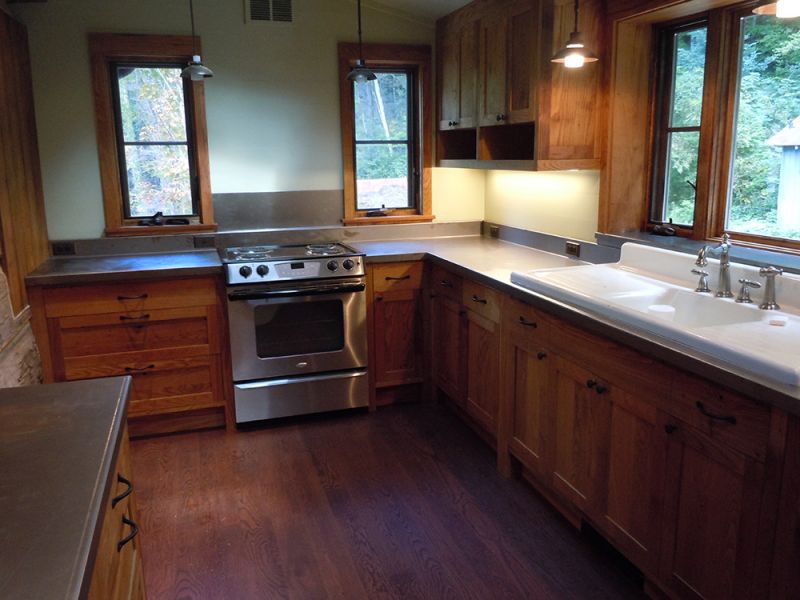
<point>478,299</point>
<point>140,369</point>
<point>541,355</point>
<point>143,317</point>
<point>590,383</point>
<point>445,284</point>
<point>117,499</point>
<point>462,312</point>
<point>710,415</point>
<point>378,298</point>
<point>524,321</point>
<point>134,532</point>
<point>139,297</point>
<point>601,389</point>
<point>403,278</point>
<point>670,429</point>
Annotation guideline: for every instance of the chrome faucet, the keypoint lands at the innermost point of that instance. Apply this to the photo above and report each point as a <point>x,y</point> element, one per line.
<point>770,302</point>
<point>724,252</point>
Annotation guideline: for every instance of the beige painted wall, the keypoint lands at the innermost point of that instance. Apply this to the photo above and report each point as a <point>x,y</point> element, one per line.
<point>562,204</point>
<point>273,107</point>
<point>459,194</point>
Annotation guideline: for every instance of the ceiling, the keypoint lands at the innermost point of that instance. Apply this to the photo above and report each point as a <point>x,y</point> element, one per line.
<point>424,9</point>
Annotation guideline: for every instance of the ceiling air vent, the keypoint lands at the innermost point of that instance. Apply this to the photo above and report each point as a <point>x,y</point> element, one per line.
<point>261,11</point>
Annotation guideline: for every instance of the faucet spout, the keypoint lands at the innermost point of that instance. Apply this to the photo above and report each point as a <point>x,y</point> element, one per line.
<point>702,261</point>
<point>724,252</point>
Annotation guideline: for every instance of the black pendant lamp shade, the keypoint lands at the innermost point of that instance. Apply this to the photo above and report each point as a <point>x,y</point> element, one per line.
<point>360,73</point>
<point>195,70</point>
<point>574,54</point>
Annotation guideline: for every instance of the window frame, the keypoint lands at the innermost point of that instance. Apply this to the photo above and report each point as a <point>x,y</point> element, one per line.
<point>389,57</point>
<point>108,50</point>
<point>717,131</point>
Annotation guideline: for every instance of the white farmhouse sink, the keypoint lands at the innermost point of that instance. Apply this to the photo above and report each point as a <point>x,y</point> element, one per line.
<point>653,290</point>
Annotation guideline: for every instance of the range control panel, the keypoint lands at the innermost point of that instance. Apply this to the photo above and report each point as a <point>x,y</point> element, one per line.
<point>311,268</point>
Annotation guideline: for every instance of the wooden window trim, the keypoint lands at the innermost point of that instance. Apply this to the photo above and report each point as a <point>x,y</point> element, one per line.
<point>105,49</point>
<point>380,56</point>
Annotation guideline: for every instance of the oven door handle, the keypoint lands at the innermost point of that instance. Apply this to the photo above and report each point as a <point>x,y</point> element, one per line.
<point>318,291</point>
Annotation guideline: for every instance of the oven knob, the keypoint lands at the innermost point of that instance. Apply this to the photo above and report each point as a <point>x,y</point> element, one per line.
<point>262,270</point>
<point>245,271</point>
<point>332,265</point>
<point>348,264</point>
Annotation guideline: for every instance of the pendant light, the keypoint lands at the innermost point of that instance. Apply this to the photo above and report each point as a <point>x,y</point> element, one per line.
<point>196,70</point>
<point>783,9</point>
<point>360,73</point>
<point>574,54</point>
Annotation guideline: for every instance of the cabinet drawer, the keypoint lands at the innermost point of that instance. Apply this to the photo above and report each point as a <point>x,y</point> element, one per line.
<point>397,276</point>
<point>482,300</point>
<point>113,333</point>
<point>129,297</point>
<point>444,283</point>
<point>519,317</point>
<point>135,363</point>
<point>721,414</point>
<point>173,390</point>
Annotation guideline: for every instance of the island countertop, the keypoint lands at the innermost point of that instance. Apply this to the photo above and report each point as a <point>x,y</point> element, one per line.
<point>57,448</point>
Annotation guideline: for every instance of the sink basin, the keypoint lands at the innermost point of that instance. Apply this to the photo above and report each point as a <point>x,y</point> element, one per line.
<point>653,290</point>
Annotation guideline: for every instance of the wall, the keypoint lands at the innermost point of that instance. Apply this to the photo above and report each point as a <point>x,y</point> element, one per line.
<point>19,358</point>
<point>563,204</point>
<point>273,108</point>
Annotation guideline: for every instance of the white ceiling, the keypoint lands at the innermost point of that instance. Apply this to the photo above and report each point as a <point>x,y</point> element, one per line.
<point>429,10</point>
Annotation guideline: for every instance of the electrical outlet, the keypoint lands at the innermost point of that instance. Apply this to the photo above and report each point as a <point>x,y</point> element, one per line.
<point>204,241</point>
<point>494,231</point>
<point>63,248</point>
<point>572,249</point>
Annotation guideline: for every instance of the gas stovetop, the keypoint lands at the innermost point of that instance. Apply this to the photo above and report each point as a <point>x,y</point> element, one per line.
<point>265,264</point>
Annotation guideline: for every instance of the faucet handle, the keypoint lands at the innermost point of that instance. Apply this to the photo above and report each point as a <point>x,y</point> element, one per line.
<point>702,285</point>
<point>744,292</point>
<point>770,271</point>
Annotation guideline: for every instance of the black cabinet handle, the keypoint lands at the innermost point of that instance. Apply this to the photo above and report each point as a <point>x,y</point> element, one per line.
<point>541,355</point>
<point>478,299</point>
<point>524,321</point>
<point>590,383</point>
<point>462,312</point>
<point>139,297</point>
<point>134,532</point>
<point>601,389</point>
<point>445,284</point>
<point>117,499</point>
<point>403,278</point>
<point>670,429</point>
<point>378,298</point>
<point>140,369</point>
<point>501,118</point>
<point>726,418</point>
<point>143,317</point>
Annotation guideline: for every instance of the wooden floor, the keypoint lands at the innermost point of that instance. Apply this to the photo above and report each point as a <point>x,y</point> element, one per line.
<point>405,503</point>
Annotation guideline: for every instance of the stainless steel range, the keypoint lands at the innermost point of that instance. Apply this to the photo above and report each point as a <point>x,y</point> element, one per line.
<point>298,329</point>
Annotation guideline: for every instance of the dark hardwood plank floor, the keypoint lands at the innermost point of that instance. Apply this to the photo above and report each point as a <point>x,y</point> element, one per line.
<point>405,503</point>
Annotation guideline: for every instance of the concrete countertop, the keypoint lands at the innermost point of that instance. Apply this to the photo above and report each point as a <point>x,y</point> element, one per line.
<point>76,270</point>
<point>58,444</point>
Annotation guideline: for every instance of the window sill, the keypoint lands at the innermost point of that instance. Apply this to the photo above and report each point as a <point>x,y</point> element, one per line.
<point>138,230</point>
<point>388,220</point>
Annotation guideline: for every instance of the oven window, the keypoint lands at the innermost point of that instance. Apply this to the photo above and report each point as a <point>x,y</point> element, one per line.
<point>299,328</point>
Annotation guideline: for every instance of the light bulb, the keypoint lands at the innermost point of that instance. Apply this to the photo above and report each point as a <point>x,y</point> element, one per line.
<point>788,9</point>
<point>574,60</point>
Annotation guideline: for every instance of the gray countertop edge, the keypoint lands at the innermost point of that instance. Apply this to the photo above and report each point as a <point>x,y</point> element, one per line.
<point>84,561</point>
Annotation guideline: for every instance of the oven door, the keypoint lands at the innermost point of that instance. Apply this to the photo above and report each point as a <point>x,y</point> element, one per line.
<point>311,328</point>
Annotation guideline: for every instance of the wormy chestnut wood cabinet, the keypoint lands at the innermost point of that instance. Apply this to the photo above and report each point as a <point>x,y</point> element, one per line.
<point>168,334</point>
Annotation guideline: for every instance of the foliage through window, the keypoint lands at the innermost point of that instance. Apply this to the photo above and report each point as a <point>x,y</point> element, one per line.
<point>153,140</point>
<point>385,139</point>
<point>752,123</point>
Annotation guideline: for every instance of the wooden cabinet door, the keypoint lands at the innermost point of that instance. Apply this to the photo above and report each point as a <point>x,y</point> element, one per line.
<point>493,69</point>
<point>398,337</point>
<point>447,347</point>
<point>632,508</point>
<point>710,525</point>
<point>581,434</point>
<point>522,57</point>
<point>458,63</point>
<point>483,370</point>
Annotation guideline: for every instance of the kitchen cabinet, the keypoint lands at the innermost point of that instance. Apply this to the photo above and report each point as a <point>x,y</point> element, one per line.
<point>167,334</point>
<point>396,315</point>
<point>447,329</point>
<point>458,73</point>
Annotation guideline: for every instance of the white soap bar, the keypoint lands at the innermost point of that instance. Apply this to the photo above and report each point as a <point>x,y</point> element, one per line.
<point>663,311</point>
<point>779,321</point>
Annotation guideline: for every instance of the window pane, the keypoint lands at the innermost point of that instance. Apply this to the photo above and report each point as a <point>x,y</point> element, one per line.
<point>764,197</point>
<point>381,176</point>
<point>681,177</point>
<point>687,85</point>
<point>151,104</point>
<point>381,107</point>
<point>158,180</point>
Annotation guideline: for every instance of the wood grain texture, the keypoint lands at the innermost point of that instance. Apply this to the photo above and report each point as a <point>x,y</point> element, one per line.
<point>448,356</point>
<point>23,229</point>
<point>402,503</point>
<point>398,337</point>
<point>483,371</point>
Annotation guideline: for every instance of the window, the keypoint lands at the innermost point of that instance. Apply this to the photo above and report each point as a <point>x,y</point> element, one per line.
<point>151,135</point>
<point>385,135</point>
<point>727,138</point>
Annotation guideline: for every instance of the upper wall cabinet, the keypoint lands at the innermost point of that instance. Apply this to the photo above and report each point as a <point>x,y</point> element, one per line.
<point>530,114</point>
